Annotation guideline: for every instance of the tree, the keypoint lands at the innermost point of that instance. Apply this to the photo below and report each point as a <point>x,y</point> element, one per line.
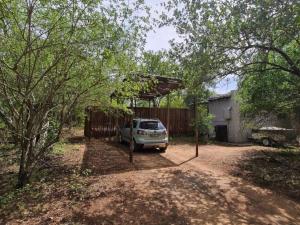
<point>54,54</point>
<point>177,100</point>
<point>275,93</point>
<point>225,37</point>
<point>159,63</point>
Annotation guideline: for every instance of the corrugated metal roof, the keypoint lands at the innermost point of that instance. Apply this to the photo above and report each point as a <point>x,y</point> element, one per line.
<point>220,96</point>
<point>158,85</point>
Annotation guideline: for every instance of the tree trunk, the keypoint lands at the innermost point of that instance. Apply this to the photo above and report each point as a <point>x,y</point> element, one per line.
<point>23,178</point>
<point>30,147</point>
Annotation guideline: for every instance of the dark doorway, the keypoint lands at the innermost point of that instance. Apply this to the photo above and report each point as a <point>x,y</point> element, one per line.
<point>221,133</point>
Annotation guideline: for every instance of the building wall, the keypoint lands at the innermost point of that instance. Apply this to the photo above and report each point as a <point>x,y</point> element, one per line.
<point>226,111</point>
<point>239,132</point>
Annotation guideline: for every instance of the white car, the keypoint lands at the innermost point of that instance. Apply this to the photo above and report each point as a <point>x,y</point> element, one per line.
<point>147,133</point>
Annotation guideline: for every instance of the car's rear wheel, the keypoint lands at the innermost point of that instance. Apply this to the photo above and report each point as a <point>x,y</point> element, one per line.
<point>137,147</point>
<point>163,149</point>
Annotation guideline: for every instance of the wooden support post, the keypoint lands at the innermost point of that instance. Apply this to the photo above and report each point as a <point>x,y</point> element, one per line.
<point>149,109</point>
<point>117,123</point>
<point>155,108</point>
<point>135,106</point>
<point>109,127</point>
<point>196,126</point>
<point>90,124</point>
<point>168,115</point>
<point>110,122</point>
<point>131,134</point>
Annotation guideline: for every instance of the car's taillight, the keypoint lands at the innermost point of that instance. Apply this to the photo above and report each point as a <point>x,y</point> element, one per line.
<point>141,132</point>
<point>165,132</point>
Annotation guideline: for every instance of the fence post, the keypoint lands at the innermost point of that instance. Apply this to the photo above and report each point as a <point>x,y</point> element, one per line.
<point>109,127</point>
<point>90,124</point>
<point>131,134</point>
<point>149,109</point>
<point>86,127</point>
<point>117,123</point>
<point>196,126</point>
<point>168,115</point>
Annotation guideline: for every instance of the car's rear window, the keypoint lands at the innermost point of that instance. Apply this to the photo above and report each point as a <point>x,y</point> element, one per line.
<point>151,125</point>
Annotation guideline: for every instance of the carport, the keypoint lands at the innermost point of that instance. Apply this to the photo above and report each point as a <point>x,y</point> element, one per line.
<point>154,86</point>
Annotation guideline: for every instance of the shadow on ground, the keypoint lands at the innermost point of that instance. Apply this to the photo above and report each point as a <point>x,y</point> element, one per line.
<point>52,186</point>
<point>180,197</point>
<point>275,169</point>
<point>172,195</point>
<point>104,157</point>
<point>76,139</point>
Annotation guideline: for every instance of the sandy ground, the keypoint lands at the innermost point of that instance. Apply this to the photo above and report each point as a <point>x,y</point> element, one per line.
<point>176,188</point>
<point>171,187</point>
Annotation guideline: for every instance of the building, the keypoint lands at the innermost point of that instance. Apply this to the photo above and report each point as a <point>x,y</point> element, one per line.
<point>227,122</point>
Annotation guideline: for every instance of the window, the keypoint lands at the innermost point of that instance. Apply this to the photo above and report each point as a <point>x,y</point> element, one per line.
<point>151,125</point>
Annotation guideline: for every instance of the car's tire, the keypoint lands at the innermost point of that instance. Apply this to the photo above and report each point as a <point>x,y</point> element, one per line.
<point>266,142</point>
<point>163,149</point>
<point>136,147</point>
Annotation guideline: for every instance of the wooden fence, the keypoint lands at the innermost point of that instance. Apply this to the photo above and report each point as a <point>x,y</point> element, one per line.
<point>101,124</point>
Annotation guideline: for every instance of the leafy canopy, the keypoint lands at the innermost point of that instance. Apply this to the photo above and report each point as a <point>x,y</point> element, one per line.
<point>55,55</point>
<point>225,37</point>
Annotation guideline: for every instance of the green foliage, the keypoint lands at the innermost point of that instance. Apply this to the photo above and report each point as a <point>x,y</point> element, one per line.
<point>159,63</point>
<point>15,197</point>
<point>7,155</point>
<point>256,39</point>
<point>4,200</point>
<point>177,100</point>
<point>77,190</point>
<point>204,120</point>
<point>224,37</point>
<point>269,92</point>
<point>86,172</point>
<point>59,148</point>
<point>56,55</point>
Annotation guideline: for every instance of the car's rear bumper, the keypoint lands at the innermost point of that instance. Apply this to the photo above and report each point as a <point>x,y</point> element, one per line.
<point>162,143</point>
<point>155,145</point>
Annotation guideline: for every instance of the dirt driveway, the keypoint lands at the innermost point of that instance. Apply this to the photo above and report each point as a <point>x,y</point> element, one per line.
<point>171,187</point>
<point>176,188</point>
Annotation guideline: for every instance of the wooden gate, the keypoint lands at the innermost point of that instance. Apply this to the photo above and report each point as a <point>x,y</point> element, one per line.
<point>101,124</point>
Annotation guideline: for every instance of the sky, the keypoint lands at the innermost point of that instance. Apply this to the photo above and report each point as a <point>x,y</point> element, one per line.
<point>159,38</point>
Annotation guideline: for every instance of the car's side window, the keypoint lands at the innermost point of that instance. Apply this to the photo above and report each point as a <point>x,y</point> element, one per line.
<point>161,126</point>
